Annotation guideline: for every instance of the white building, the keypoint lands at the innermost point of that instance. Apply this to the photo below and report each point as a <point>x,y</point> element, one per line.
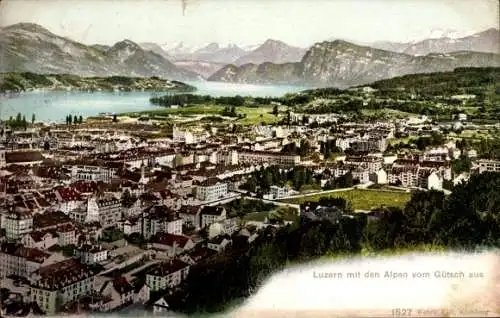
<point>119,291</point>
<point>167,275</point>
<point>16,259</point>
<point>379,177</point>
<point>363,175</point>
<point>212,189</point>
<point>267,157</point>
<point>280,192</point>
<point>488,165</point>
<point>132,225</point>
<point>67,235</point>
<point>40,240</point>
<point>105,210</point>
<point>160,218</point>
<point>212,214</point>
<point>91,173</point>
<point>18,224</point>
<point>91,254</point>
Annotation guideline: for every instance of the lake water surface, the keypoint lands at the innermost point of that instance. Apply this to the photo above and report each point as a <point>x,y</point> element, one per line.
<point>54,106</point>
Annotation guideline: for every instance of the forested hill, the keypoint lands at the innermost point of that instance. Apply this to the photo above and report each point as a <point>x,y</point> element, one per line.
<point>460,81</point>
<point>20,82</point>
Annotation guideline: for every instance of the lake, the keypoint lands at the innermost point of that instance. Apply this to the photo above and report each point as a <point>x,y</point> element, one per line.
<point>54,106</point>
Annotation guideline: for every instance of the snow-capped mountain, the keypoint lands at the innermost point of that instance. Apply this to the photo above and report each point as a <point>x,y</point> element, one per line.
<point>445,41</point>
<point>486,41</point>
<point>439,33</point>
<point>211,52</point>
<point>30,47</point>
<point>179,50</point>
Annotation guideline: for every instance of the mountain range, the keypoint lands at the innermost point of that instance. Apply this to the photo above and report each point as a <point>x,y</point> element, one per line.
<point>343,64</point>
<point>486,41</point>
<point>30,47</point>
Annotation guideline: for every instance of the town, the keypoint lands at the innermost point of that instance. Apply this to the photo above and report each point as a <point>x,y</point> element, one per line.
<point>110,213</point>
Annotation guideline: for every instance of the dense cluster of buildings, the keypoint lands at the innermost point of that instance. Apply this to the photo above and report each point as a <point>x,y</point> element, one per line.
<point>100,219</point>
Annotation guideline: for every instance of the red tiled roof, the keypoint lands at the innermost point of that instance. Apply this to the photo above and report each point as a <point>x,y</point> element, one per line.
<point>61,274</point>
<point>69,194</point>
<point>50,219</point>
<point>85,186</point>
<point>31,254</point>
<point>23,156</point>
<point>37,236</point>
<point>122,286</point>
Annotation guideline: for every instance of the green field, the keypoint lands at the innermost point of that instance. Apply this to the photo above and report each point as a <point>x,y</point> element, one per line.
<point>362,199</point>
<point>286,214</point>
<point>256,216</point>
<point>253,115</point>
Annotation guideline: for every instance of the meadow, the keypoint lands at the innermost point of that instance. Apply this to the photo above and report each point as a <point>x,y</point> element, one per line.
<point>361,199</point>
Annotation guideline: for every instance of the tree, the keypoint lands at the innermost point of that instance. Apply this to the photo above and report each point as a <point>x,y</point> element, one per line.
<point>33,118</point>
<point>463,164</point>
<point>70,119</point>
<point>115,118</point>
<point>275,110</point>
<point>24,122</point>
<point>126,198</point>
<point>80,119</point>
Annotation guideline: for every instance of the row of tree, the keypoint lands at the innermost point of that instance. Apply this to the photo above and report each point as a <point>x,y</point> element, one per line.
<point>193,99</point>
<point>20,121</point>
<point>73,119</point>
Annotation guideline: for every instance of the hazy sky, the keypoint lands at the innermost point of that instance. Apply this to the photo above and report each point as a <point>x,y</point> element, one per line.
<point>297,22</point>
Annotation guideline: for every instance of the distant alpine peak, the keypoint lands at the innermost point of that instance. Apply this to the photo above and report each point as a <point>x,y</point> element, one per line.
<point>440,33</point>
<point>445,33</point>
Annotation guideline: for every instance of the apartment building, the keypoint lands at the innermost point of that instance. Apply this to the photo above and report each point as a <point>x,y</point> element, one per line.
<point>18,224</point>
<point>16,259</point>
<point>105,210</point>
<point>212,214</point>
<point>372,144</point>
<point>57,284</point>
<point>488,165</point>
<point>372,163</point>
<point>167,275</point>
<point>191,215</point>
<point>160,218</point>
<point>211,189</point>
<point>42,240</point>
<point>267,157</point>
<point>67,234</point>
<point>91,254</point>
<point>91,172</point>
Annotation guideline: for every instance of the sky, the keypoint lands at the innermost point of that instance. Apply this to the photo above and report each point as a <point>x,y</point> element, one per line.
<point>248,22</point>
